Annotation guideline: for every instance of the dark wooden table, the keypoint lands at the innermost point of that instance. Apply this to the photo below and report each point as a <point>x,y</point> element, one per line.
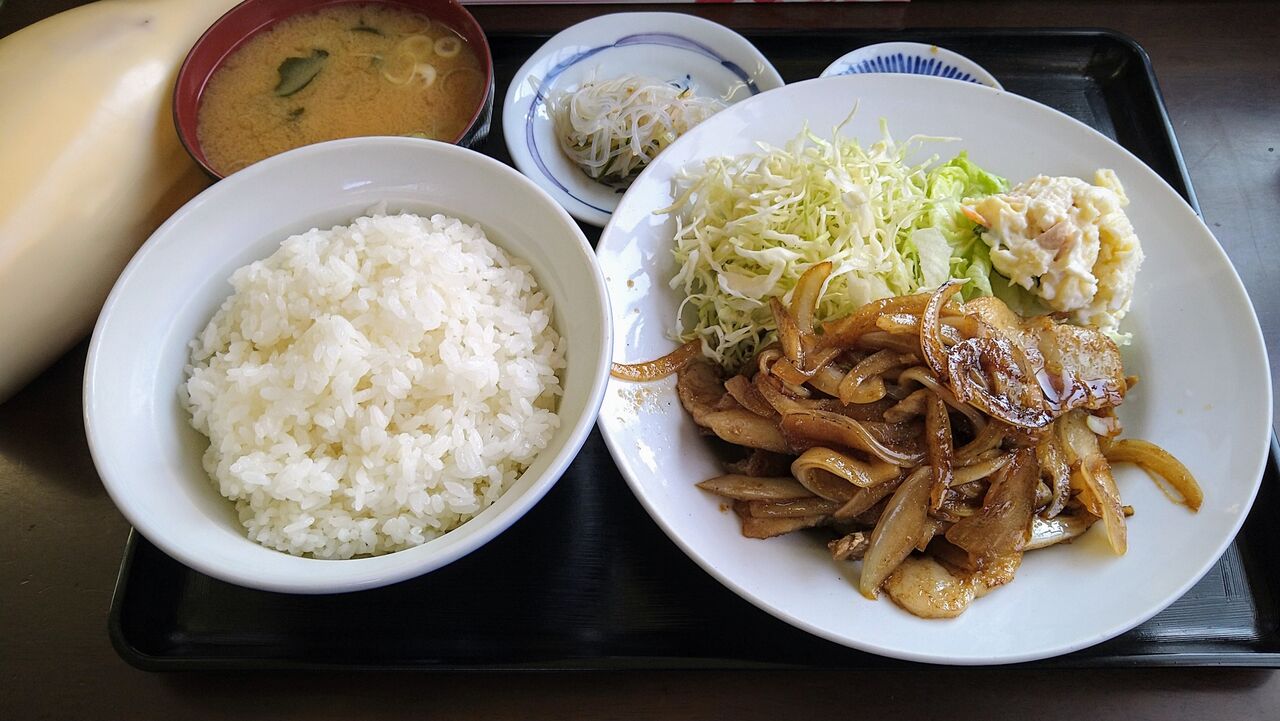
<point>1218,66</point>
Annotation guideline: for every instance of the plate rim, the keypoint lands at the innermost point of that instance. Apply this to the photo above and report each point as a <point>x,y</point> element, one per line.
<point>981,75</point>
<point>1255,338</point>
<point>513,123</point>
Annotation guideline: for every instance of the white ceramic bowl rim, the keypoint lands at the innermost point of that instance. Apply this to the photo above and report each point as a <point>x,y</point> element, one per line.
<point>845,64</point>
<point>663,39</point>
<point>726,49</point>
<point>309,575</point>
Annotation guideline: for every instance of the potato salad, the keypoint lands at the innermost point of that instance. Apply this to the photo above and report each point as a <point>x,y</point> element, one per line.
<point>1068,242</point>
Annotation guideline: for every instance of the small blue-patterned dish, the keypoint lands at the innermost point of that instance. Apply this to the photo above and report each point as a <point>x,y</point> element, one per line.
<point>914,59</point>
<point>684,50</point>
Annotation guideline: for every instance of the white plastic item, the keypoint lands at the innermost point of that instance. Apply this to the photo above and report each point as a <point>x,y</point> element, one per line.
<point>90,164</point>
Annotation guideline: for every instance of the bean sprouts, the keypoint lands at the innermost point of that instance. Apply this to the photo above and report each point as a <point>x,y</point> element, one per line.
<point>613,128</point>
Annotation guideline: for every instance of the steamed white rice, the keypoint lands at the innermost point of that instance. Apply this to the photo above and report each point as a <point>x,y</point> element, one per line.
<point>370,387</point>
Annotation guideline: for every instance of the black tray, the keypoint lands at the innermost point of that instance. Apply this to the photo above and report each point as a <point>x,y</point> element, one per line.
<point>587,581</point>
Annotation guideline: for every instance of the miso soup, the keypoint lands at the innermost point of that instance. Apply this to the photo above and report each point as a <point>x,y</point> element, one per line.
<point>338,72</point>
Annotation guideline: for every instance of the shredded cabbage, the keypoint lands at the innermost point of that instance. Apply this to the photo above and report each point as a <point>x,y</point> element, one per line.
<point>748,227</point>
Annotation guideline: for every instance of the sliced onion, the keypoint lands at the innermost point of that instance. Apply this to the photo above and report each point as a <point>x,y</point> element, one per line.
<point>767,357</point>
<point>921,375</point>
<point>844,333</point>
<point>1043,495</point>
<point>868,391</point>
<point>796,390</point>
<point>897,532</point>
<point>960,327</point>
<point>814,362</point>
<point>955,509</point>
<point>1157,460</point>
<point>896,391</point>
<point>804,299</point>
<point>898,323</point>
<point>953,329</point>
<point>786,372</point>
<point>813,428</point>
<point>777,395</point>
<point>881,340</point>
<point>1092,476</point>
<point>910,407</point>
<point>977,471</point>
<point>991,436</point>
<point>1104,426</point>
<point>969,491</point>
<point>851,470</point>
<point>745,393</point>
<point>661,368</point>
<point>827,379</point>
<point>932,527</point>
<point>792,509</point>
<point>788,333</point>
<point>1054,466</point>
<point>862,383</point>
<point>771,390</point>
<point>744,428</point>
<point>865,412</point>
<point>1003,524</point>
<point>770,527</point>
<point>824,484</point>
<point>908,437</point>
<point>751,488</point>
<point>931,347</point>
<point>864,499</point>
<point>941,452</point>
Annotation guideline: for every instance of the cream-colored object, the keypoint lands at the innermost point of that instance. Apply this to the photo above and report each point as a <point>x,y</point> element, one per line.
<point>1069,243</point>
<point>90,164</point>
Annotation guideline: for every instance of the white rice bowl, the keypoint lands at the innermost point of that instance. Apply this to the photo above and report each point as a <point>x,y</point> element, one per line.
<point>370,387</point>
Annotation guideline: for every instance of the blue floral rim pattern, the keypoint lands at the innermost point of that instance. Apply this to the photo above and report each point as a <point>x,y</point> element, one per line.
<point>664,39</point>
<point>910,64</point>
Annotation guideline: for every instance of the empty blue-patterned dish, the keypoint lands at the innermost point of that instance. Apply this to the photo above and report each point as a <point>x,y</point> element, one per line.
<point>914,59</point>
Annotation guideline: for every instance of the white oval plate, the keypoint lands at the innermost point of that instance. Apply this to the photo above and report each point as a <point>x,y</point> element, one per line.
<point>712,59</point>
<point>1205,391</point>
<point>912,59</point>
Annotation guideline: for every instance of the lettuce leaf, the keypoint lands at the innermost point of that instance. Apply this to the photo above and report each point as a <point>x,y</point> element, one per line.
<point>947,185</point>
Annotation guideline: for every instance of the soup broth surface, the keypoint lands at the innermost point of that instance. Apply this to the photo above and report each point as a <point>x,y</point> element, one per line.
<point>338,72</point>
